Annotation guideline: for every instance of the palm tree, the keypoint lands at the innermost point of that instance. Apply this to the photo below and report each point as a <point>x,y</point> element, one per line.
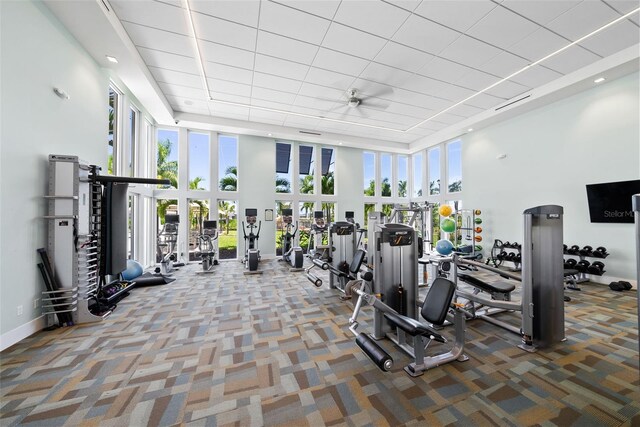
<point>227,209</point>
<point>371,190</point>
<point>203,205</point>
<point>306,185</point>
<point>163,206</point>
<point>327,183</point>
<point>402,188</point>
<point>455,186</point>
<point>230,181</point>
<point>282,185</point>
<point>386,188</point>
<point>167,169</point>
<point>434,187</point>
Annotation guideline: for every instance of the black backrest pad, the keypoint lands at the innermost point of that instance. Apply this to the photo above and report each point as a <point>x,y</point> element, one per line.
<point>357,260</point>
<point>436,304</point>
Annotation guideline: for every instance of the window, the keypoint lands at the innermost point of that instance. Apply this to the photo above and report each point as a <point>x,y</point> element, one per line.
<point>112,136</point>
<point>199,169</point>
<point>329,210</point>
<point>434,171</point>
<point>280,225</point>
<point>133,140</point>
<point>283,167</point>
<point>305,219</point>
<point>328,170</point>
<point>403,176</point>
<point>454,166</point>
<point>306,163</point>
<point>228,226</point>
<point>228,163</point>
<point>417,175</point>
<point>369,172</point>
<point>198,212</point>
<point>385,169</point>
<point>387,208</point>
<point>168,157</point>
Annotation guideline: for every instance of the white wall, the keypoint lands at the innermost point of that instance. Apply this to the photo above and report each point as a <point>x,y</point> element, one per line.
<point>552,153</point>
<point>38,54</point>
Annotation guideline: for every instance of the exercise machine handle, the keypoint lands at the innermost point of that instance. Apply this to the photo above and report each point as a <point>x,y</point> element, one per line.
<point>243,230</point>
<point>259,227</point>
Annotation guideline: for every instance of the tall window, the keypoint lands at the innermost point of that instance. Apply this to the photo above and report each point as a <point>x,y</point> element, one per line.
<point>280,225</point>
<point>385,169</point>
<point>133,140</point>
<point>403,176</point>
<point>168,156</point>
<point>454,166</point>
<point>198,212</point>
<point>166,238</point>
<point>306,163</point>
<point>328,170</point>
<point>199,170</point>
<point>369,169</point>
<point>283,167</point>
<point>112,136</point>
<point>434,171</point>
<point>228,226</point>
<point>228,163</point>
<point>417,175</point>
<point>305,220</point>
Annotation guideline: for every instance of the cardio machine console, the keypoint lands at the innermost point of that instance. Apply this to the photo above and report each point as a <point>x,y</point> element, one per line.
<point>400,238</point>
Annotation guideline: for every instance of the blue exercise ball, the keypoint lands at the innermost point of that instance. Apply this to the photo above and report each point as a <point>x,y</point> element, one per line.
<point>134,269</point>
<point>444,247</point>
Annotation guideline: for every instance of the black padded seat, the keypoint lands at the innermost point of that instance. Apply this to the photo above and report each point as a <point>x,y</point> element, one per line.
<point>413,327</point>
<point>570,272</point>
<point>502,287</point>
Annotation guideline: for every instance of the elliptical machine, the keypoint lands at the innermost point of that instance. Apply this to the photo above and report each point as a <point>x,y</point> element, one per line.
<point>251,251</point>
<point>167,243</point>
<point>291,253</point>
<point>317,251</point>
<point>208,245</point>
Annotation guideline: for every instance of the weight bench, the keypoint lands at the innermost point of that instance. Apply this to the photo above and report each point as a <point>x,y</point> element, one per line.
<point>570,278</point>
<point>498,290</point>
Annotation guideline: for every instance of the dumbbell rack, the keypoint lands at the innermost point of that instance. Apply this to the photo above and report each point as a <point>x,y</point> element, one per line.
<point>582,275</point>
<point>514,248</point>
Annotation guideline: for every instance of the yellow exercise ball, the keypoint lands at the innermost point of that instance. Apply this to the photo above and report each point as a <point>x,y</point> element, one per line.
<point>445,210</point>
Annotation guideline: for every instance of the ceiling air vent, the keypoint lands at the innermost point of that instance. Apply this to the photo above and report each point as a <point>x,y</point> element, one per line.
<point>306,132</point>
<point>513,102</point>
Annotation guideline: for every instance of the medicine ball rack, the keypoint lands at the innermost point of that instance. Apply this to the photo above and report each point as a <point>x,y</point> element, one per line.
<point>506,251</point>
<point>583,266</point>
<point>468,233</point>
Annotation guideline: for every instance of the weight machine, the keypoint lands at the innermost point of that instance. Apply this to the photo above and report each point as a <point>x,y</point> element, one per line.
<point>208,245</point>
<point>291,253</point>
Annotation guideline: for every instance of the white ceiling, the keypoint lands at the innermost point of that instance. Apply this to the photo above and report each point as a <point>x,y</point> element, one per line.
<point>409,60</point>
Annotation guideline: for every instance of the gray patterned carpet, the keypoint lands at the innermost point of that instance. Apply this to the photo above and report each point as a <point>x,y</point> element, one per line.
<point>271,349</point>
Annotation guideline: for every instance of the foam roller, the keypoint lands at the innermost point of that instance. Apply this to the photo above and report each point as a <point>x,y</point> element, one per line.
<point>374,352</point>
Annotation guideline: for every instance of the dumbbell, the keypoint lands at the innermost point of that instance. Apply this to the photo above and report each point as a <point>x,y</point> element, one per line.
<point>506,244</point>
<point>502,255</point>
<point>596,268</point>
<point>574,250</point>
<point>600,252</point>
<point>582,266</point>
<point>564,249</point>
<point>620,286</point>
<point>511,256</point>
<point>518,258</point>
<point>515,245</point>
<point>586,251</point>
<point>570,264</point>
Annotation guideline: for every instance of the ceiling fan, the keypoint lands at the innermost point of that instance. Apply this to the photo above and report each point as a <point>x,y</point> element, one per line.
<point>355,102</point>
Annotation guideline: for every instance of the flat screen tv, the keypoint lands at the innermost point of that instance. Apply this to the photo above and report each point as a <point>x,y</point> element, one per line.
<point>115,227</point>
<point>611,201</point>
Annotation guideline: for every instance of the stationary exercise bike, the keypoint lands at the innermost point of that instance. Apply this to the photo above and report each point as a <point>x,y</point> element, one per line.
<point>251,252</point>
<point>167,243</point>
<point>290,253</point>
<point>208,245</point>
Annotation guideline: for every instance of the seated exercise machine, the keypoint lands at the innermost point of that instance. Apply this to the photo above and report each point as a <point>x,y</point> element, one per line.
<point>291,253</point>
<point>393,295</point>
<point>167,243</point>
<point>317,251</point>
<point>542,292</point>
<point>350,218</point>
<point>251,251</point>
<point>343,244</point>
<point>208,245</point>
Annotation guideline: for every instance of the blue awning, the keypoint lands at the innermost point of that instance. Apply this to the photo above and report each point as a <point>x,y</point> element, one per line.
<point>306,157</point>
<point>326,160</point>
<point>283,155</point>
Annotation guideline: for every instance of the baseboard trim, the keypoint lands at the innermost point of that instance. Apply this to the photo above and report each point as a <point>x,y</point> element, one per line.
<point>21,332</point>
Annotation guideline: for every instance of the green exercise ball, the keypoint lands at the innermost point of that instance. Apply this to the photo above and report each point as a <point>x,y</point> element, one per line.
<point>478,220</point>
<point>448,225</point>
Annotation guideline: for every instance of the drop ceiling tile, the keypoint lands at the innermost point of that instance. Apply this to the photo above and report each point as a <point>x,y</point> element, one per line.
<point>409,110</point>
<point>623,6</point>
<point>502,28</point>
<point>333,127</point>
<point>190,109</point>
<point>226,72</point>
<point>469,52</point>
<point>152,14</point>
<point>292,23</point>
<point>323,8</point>
<point>262,115</point>
<point>169,61</point>
<point>243,12</point>
<point>421,100</point>
<point>402,57</point>
<point>443,69</point>
<point>266,103</point>
<point>613,39</point>
<point>385,75</point>
<point>280,67</point>
<point>222,54</point>
<point>367,88</point>
<point>459,15</point>
<point>409,5</point>
<point>433,125</point>
<point>397,120</point>
<point>301,122</point>
<point>508,90</point>
<point>158,39</point>
<point>354,42</point>
<point>315,103</point>
<point>538,45</point>
<point>224,110</point>
<point>183,91</point>
<point>570,60</point>
<point>176,77</point>
<point>425,35</point>
<point>230,97</point>
<point>275,82</point>
<point>466,110</point>
<point>376,17</point>
<point>189,102</point>
<point>224,32</point>
<point>272,95</point>
<point>504,64</point>
<point>242,90</point>
<point>536,76</point>
<point>582,19</point>
<point>423,84</point>
<point>339,62</point>
<point>484,101</point>
<point>477,80</point>
<point>286,48</point>
<point>322,92</point>
<point>329,79</point>
<point>451,92</point>
<point>541,13</point>
<point>449,119</point>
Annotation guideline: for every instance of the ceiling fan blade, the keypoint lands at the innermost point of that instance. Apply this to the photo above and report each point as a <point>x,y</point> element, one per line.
<point>377,104</point>
<point>379,93</point>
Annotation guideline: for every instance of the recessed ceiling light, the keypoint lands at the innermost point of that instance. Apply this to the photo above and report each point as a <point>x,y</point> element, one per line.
<point>112,59</point>
<point>470,130</point>
<point>599,80</point>
<point>269,134</point>
<point>339,143</point>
